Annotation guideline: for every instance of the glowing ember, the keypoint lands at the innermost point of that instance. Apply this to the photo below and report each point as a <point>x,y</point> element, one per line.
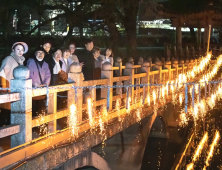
<point>183,119</point>
<point>200,147</point>
<point>72,121</point>
<point>129,109</point>
<point>212,146</point>
<point>89,109</point>
<point>190,166</point>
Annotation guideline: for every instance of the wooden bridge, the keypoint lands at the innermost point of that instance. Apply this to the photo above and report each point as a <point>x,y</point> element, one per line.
<point>117,84</point>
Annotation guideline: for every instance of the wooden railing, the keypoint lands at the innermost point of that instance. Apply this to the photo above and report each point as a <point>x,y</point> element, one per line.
<point>190,50</point>
<point>22,93</point>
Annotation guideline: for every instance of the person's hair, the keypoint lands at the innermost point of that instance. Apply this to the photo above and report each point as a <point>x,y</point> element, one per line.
<point>65,50</point>
<point>111,55</point>
<point>56,50</point>
<point>72,43</point>
<point>87,41</point>
<point>95,49</point>
<point>17,45</point>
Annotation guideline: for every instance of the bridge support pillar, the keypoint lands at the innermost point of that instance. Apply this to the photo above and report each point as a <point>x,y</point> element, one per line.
<point>129,71</point>
<point>21,111</point>
<point>107,73</point>
<point>76,76</point>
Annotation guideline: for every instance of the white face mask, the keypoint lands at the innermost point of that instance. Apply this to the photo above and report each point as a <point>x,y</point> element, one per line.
<point>39,59</point>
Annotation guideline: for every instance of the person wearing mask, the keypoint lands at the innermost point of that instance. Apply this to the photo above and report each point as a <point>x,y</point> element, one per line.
<point>108,56</point>
<point>47,49</point>
<point>58,76</point>
<point>39,69</point>
<point>13,60</point>
<point>65,60</point>
<point>87,60</point>
<point>98,60</point>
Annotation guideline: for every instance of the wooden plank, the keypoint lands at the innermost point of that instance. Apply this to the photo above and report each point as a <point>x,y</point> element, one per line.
<point>9,130</point>
<point>95,82</point>
<point>52,89</point>
<point>137,66</point>
<point>140,75</point>
<point>96,103</point>
<point>122,78</point>
<point>154,72</point>
<point>9,97</point>
<point>165,71</point>
<point>115,68</point>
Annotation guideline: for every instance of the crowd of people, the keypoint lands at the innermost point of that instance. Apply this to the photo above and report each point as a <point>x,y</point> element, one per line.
<point>49,67</point>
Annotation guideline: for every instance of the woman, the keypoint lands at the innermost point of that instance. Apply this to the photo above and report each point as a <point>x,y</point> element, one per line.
<point>47,49</point>
<point>73,58</point>
<point>108,56</point>
<point>8,64</point>
<point>39,69</point>
<point>98,59</point>
<point>13,60</point>
<point>65,59</point>
<point>58,76</point>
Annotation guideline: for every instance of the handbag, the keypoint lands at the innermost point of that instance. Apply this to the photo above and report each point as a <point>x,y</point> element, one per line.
<point>63,77</point>
<point>2,79</point>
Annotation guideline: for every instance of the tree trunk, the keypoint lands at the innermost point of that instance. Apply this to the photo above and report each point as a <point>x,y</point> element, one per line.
<point>193,35</point>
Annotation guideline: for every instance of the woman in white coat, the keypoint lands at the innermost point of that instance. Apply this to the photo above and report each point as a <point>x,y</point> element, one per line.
<point>13,60</point>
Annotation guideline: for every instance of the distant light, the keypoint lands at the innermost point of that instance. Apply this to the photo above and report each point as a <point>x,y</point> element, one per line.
<point>78,3</point>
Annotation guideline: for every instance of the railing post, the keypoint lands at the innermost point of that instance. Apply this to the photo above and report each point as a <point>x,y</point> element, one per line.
<point>187,51</point>
<point>175,65</point>
<point>107,73</point>
<point>181,64</point>
<point>76,76</point>
<point>129,71</point>
<point>159,65</point>
<point>168,66</point>
<point>118,63</point>
<point>21,111</point>
<point>52,108</point>
<point>146,80</point>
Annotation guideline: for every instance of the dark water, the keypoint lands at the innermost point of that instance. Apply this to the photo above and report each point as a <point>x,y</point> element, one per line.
<point>161,154</point>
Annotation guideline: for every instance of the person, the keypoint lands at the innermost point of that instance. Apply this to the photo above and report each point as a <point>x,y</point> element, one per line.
<point>39,69</point>
<point>108,56</point>
<point>13,60</point>
<point>87,60</point>
<point>40,75</point>
<point>65,60</point>
<point>98,62</point>
<point>73,58</point>
<point>8,65</point>
<point>58,76</point>
<point>47,49</point>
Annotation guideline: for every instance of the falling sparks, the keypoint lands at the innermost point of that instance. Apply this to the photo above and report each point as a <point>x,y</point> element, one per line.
<point>72,121</point>
<point>183,119</point>
<point>190,166</point>
<point>200,147</point>
<point>128,104</point>
<point>90,114</point>
<point>212,146</point>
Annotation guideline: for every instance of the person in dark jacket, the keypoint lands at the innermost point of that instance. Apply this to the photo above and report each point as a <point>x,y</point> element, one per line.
<point>47,49</point>
<point>55,67</point>
<point>86,58</point>
<point>98,60</point>
<point>39,69</point>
